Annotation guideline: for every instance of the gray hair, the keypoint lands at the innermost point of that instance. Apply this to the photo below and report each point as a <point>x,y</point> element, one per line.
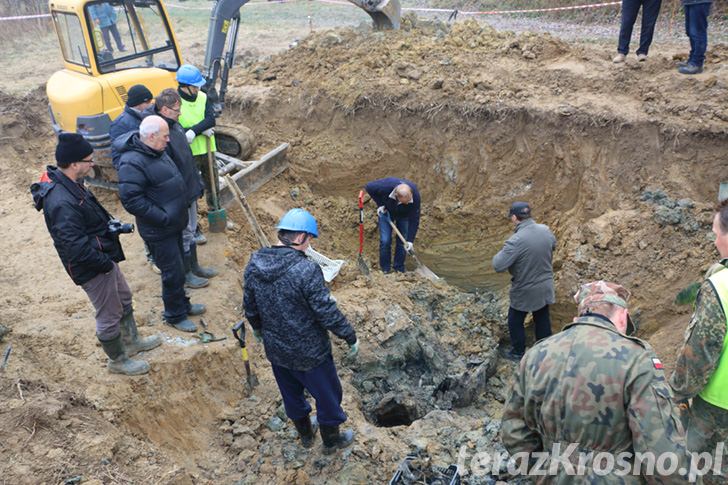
<point>151,125</point>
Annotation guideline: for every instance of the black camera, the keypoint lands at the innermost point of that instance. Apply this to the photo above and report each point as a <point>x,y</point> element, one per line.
<point>117,227</point>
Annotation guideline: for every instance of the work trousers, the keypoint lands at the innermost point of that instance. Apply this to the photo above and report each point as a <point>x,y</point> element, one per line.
<point>202,164</point>
<point>188,233</point>
<point>630,9</point>
<point>386,234</point>
<point>111,297</point>
<point>321,382</point>
<point>541,326</point>
<point>696,27</point>
<point>707,429</point>
<point>113,30</point>
<point>168,254</point>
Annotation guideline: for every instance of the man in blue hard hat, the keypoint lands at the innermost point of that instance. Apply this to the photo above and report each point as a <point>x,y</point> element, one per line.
<point>290,309</point>
<point>197,117</point>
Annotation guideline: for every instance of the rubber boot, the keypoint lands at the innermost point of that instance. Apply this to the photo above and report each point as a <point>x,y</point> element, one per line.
<point>196,268</point>
<point>191,280</point>
<point>200,238</point>
<point>130,337</point>
<point>306,428</point>
<point>196,309</point>
<point>333,439</point>
<point>185,325</point>
<point>119,362</point>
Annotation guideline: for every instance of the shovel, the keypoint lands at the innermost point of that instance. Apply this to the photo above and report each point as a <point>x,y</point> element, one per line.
<point>216,217</point>
<point>239,333</point>
<point>421,268</point>
<point>363,267</point>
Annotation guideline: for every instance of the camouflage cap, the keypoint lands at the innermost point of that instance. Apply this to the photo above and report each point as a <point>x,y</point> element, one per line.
<point>603,292</point>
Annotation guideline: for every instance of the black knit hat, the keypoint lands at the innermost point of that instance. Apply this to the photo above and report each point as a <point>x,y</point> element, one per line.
<point>138,94</point>
<point>71,148</point>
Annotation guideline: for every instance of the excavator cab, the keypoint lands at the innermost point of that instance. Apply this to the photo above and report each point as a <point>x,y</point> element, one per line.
<point>107,47</point>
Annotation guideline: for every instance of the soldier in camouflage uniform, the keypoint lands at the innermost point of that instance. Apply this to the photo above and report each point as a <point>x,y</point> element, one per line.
<point>701,372</point>
<point>594,386</point>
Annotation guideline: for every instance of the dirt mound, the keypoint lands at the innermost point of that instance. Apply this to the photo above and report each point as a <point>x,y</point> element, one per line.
<point>429,66</point>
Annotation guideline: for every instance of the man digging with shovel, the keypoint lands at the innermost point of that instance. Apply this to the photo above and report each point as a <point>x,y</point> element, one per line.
<point>291,311</point>
<point>398,200</point>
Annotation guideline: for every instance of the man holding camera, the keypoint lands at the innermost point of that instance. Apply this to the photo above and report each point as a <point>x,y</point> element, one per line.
<point>87,240</point>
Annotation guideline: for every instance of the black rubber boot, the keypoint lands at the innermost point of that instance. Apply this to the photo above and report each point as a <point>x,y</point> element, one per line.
<point>185,325</point>
<point>196,268</point>
<point>196,309</point>
<point>306,428</point>
<point>333,439</point>
<point>130,336</point>
<point>191,280</point>
<point>119,363</point>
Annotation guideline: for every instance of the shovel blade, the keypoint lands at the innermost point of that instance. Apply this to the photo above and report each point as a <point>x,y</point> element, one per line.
<point>363,267</point>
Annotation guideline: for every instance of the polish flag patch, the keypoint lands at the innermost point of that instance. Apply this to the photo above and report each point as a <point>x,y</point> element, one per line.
<point>657,364</point>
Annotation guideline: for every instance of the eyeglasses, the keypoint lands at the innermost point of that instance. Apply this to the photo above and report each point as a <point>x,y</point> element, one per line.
<point>86,161</point>
<point>176,110</point>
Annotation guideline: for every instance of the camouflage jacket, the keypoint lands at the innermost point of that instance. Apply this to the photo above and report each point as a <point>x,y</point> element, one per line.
<point>703,344</point>
<point>601,390</point>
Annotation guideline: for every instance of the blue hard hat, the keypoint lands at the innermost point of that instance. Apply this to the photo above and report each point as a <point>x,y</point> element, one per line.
<point>190,75</point>
<point>299,220</point>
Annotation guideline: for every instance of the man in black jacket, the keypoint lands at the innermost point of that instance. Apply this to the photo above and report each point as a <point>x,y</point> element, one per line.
<point>151,188</point>
<point>289,307</point>
<point>168,105</point>
<point>138,99</point>
<point>89,248</point>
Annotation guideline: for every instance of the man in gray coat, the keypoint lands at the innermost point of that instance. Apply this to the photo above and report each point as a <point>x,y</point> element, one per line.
<point>527,256</point>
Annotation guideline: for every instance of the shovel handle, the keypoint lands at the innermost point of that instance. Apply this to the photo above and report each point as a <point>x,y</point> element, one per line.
<point>399,234</point>
<point>239,334</point>
<point>361,222</point>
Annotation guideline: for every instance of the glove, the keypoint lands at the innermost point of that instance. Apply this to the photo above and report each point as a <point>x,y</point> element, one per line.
<point>353,349</point>
<point>381,210</point>
<point>209,132</point>
<point>190,136</point>
<point>409,247</point>
<point>258,336</point>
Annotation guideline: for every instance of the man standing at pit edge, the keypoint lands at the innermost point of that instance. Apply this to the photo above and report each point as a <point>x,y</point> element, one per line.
<point>595,389</point>
<point>701,372</point>
<point>290,309</point>
<point>527,256</point>
<point>89,249</point>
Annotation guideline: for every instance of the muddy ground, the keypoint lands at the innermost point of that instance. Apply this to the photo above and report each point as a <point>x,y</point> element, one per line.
<point>621,162</point>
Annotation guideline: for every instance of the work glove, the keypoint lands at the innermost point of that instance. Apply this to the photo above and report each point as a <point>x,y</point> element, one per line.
<point>258,336</point>
<point>381,210</point>
<point>409,247</point>
<point>353,349</point>
<point>209,132</point>
<point>190,136</point>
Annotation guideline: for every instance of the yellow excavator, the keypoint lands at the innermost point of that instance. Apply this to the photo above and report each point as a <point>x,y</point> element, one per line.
<point>110,45</point>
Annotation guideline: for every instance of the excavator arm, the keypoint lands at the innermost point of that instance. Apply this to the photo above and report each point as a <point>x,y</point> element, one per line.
<point>222,37</point>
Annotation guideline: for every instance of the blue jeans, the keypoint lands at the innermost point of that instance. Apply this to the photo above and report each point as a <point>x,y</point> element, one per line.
<point>630,8</point>
<point>385,244</point>
<point>541,326</point>
<point>167,255</point>
<point>696,27</point>
<point>323,384</point>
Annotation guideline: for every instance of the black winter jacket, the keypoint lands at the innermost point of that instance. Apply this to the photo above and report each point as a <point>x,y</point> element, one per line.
<point>151,188</point>
<point>78,225</point>
<point>128,120</point>
<point>285,297</point>
<point>179,151</point>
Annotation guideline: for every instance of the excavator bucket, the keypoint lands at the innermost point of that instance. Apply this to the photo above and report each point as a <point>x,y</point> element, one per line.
<point>386,14</point>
